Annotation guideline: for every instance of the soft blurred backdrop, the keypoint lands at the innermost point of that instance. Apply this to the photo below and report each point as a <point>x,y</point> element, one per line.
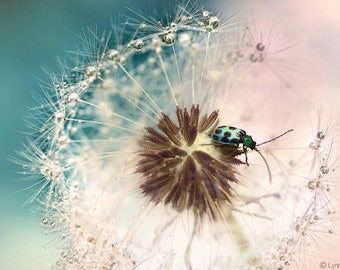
<point>32,34</point>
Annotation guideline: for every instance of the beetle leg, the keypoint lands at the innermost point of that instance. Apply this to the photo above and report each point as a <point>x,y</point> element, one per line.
<point>245,152</point>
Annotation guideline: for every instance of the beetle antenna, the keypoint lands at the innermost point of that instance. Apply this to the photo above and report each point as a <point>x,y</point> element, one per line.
<point>275,137</point>
<point>265,161</point>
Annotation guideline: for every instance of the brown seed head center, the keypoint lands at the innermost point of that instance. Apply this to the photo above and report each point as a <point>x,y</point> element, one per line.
<point>181,167</point>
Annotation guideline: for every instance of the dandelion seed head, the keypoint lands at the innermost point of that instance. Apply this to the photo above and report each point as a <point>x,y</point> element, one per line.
<point>131,177</point>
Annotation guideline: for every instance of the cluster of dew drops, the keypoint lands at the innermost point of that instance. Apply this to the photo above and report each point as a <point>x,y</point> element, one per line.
<point>316,217</point>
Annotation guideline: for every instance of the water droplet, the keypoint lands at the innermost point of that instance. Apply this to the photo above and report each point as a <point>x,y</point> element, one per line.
<point>123,60</point>
<point>320,135</point>
<point>142,26</point>
<point>63,254</point>
<point>260,47</point>
<point>58,117</point>
<point>316,217</point>
<point>91,71</point>
<point>206,17</point>
<point>73,98</point>
<point>185,19</point>
<point>112,55</point>
<point>169,38</point>
<point>314,146</point>
<point>63,140</point>
<point>324,169</point>
<point>253,58</point>
<point>83,85</point>
<point>312,185</point>
<point>214,22</point>
<point>138,44</point>
<point>44,221</point>
<point>75,185</point>
<point>330,231</point>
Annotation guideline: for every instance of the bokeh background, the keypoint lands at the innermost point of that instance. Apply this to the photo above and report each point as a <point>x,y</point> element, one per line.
<point>33,33</point>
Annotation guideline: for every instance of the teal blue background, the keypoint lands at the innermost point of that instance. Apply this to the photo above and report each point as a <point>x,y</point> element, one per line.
<point>32,34</point>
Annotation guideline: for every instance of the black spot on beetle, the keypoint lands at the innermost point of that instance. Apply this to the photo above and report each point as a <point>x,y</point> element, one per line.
<point>226,134</point>
<point>215,137</point>
<point>235,141</point>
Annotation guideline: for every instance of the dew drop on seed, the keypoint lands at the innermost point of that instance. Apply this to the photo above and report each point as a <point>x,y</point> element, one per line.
<point>83,85</point>
<point>324,169</point>
<point>58,117</point>
<point>75,185</point>
<point>73,98</point>
<point>90,71</point>
<point>312,185</point>
<point>260,47</point>
<point>214,22</point>
<point>320,135</point>
<point>169,38</point>
<point>314,146</point>
<point>55,205</point>
<point>206,17</point>
<point>142,26</point>
<point>138,44</point>
<point>44,221</point>
<point>123,60</point>
<point>185,19</point>
<point>173,26</point>
<point>112,55</point>
<point>63,254</point>
<point>63,140</point>
<point>253,58</point>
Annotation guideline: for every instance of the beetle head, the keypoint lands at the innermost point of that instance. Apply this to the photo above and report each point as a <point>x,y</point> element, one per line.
<point>249,142</point>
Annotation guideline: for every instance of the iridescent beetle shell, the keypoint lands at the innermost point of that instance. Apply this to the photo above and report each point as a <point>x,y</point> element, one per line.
<point>232,136</point>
